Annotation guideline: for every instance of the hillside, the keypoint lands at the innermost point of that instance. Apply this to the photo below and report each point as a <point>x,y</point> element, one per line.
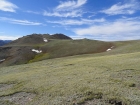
<point>73,80</point>
<point>87,72</point>
<point>35,39</point>
<point>38,47</point>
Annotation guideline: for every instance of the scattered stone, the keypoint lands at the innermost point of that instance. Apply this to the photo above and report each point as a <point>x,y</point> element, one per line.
<point>21,98</point>
<point>115,102</point>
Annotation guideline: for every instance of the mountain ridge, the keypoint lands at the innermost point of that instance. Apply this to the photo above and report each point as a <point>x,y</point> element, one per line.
<point>3,42</point>
<point>36,47</point>
<point>37,39</point>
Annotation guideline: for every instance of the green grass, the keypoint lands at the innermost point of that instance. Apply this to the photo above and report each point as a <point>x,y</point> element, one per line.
<point>20,52</point>
<point>127,46</point>
<point>40,57</point>
<point>62,48</point>
<point>77,79</point>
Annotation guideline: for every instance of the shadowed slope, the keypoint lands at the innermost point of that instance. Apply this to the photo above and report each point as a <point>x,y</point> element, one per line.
<point>3,42</point>
<point>37,47</point>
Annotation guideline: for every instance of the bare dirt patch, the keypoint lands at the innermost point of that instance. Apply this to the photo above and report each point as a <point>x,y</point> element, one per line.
<point>21,98</point>
<point>103,102</point>
<point>94,102</point>
<point>98,99</point>
<point>5,86</point>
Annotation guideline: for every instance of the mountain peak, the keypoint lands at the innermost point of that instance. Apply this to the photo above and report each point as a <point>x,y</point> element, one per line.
<point>37,39</point>
<point>60,36</point>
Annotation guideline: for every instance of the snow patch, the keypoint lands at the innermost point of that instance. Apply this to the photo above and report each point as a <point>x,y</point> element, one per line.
<point>45,40</point>
<point>2,60</point>
<point>37,51</point>
<point>110,48</point>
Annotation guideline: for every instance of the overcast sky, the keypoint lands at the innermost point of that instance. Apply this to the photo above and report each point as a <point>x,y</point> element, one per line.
<point>107,20</point>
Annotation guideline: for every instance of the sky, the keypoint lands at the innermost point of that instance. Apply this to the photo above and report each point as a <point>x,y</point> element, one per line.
<point>107,20</point>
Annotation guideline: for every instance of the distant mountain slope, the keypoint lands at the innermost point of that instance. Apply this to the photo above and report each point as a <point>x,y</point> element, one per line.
<point>37,39</point>
<point>36,47</point>
<point>3,42</point>
<point>15,55</point>
<point>60,36</point>
<point>127,46</point>
<point>122,47</point>
<point>62,48</point>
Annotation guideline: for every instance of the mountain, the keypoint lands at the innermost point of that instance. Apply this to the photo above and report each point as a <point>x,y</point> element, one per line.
<point>36,47</point>
<point>82,72</point>
<point>37,39</point>
<point>111,77</point>
<point>60,36</point>
<point>3,42</point>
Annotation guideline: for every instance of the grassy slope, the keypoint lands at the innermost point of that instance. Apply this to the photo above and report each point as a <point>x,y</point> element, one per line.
<point>21,53</point>
<point>62,48</point>
<point>77,79</point>
<point>127,46</point>
<point>122,47</point>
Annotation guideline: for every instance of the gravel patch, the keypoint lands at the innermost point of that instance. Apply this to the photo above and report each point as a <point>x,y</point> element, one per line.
<point>5,86</point>
<point>21,98</point>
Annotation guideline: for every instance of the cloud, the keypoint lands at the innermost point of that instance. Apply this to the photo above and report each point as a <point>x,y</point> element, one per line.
<point>127,8</point>
<point>76,13</point>
<point>119,29</point>
<point>33,12</point>
<point>70,5</point>
<point>7,6</point>
<point>71,8</point>
<point>4,37</point>
<point>21,22</point>
<point>77,22</point>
